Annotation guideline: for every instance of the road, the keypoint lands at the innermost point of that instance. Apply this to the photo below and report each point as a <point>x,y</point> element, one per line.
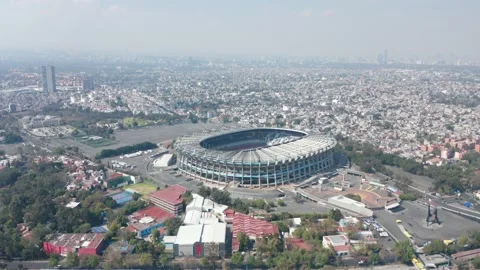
<point>388,221</point>
<point>27,264</point>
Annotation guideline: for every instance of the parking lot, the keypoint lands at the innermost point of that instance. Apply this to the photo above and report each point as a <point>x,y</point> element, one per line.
<point>413,217</point>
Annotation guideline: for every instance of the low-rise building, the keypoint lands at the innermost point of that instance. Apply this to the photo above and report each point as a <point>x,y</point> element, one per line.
<point>203,211</point>
<point>169,198</point>
<point>145,221</point>
<point>339,243</point>
<point>117,180</point>
<point>201,240</point>
<point>253,228</point>
<point>78,243</point>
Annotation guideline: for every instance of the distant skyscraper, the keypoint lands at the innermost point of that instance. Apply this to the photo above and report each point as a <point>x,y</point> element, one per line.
<point>88,85</point>
<point>382,59</point>
<point>48,79</point>
<point>385,57</point>
<point>12,108</point>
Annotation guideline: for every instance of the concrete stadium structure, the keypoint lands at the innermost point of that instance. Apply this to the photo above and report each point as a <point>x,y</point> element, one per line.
<point>254,157</point>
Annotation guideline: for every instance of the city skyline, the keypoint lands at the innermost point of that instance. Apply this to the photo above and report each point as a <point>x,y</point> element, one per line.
<point>306,28</point>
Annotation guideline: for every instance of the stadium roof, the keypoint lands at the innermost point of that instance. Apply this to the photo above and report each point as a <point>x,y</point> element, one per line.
<point>290,150</point>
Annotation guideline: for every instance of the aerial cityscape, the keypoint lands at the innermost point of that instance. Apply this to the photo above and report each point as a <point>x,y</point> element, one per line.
<point>195,149</point>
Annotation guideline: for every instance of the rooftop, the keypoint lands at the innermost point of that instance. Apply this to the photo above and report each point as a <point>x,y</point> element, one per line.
<point>214,233</point>
<point>115,175</point>
<point>188,235</point>
<point>84,240</point>
<point>146,217</point>
<point>336,239</point>
<point>277,152</point>
<point>172,194</point>
<point>251,226</point>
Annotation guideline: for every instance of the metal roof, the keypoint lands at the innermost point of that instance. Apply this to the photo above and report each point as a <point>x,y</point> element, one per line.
<point>290,150</point>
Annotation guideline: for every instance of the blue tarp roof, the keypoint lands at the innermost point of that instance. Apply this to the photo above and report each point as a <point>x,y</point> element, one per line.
<point>99,229</point>
<point>122,197</point>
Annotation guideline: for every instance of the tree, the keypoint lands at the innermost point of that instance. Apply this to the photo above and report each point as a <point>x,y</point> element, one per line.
<point>237,258</point>
<point>204,262</point>
<point>298,198</point>
<point>72,260</point>
<point>282,226</point>
<point>225,265</point>
<point>90,261</point>
<point>251,260</point>
<point>281,203</point>
<point>10,138</point>
<point>146,259</point>
<point>476,263</point>
<point>404,251</point>
<point>436,246</point>
<point>59,151</point>
<point>136,196</point>
<point>355,197</point>
<point>53,261</point>
<point>84,228</point>
<point>374,258</point>
<point>155,236</point>
<point>335,214</point>
<point>172,225</point>
<point>243,242</point>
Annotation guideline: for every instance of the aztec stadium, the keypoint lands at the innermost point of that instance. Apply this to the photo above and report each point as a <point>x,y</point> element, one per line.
<point>254,157</point>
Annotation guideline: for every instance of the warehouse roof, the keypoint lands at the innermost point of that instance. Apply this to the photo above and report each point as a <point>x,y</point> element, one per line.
<point>214,233</point>
<point>189,235</point>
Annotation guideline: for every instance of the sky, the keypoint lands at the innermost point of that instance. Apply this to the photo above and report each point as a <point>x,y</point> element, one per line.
<point>325,28</point>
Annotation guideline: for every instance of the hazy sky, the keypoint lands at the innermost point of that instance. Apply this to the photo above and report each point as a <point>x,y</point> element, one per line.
<point>296,27</point>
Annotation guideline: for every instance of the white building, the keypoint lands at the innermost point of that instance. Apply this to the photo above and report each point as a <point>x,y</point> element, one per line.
<point>200,240</point>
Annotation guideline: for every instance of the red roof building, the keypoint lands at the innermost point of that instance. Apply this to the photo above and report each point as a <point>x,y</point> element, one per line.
<point>169,199</point>
<point>252,227</point>
<point>80,243</point>
<point>466,255</point>
<point>145,221</point>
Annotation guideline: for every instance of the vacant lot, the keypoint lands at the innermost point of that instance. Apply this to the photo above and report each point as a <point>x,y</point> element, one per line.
<point>418,181</point>
<point>154,134</point>
<point>95,143</point>
<point>142,188</point>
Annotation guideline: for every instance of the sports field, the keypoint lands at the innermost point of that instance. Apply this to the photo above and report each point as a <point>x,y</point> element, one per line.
<point>128,122</point>
<point>95,143</point>
<point>142,188</point>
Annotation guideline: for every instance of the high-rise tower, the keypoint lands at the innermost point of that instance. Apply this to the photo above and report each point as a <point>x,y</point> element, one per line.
<point>48,79</point>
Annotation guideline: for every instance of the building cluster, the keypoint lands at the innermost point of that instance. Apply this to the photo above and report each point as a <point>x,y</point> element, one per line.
<point>86,174</point>
<point>38,121</point>
<point>450,150</point>
<point>394,108</point>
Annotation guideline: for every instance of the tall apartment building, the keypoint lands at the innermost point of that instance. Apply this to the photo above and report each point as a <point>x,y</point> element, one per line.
<point>88,85</point>
<point>48,79</point>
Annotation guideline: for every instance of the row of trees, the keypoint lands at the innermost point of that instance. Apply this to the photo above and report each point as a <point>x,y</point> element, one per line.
<point>106,153</point>
<point>11,137</point>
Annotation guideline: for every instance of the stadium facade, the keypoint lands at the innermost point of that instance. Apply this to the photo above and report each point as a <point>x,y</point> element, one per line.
<point>254,157</point>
